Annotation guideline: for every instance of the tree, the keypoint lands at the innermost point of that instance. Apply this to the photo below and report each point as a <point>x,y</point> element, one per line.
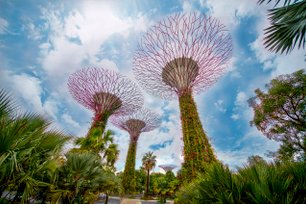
<point>288,26</point>
<point>106,93</point>
<point>280,114</point>
<point>180,56</point>
<point>148,163</point>
<point>165,185</point>
<point>80,178</point>
<point>255,159</point>
<point>141,121</point>
<point>101,145</point>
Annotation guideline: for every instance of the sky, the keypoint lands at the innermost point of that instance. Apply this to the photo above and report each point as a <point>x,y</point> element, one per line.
<point>43,42</point>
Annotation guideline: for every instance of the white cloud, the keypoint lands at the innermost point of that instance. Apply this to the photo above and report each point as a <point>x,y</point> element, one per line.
<point>187,6</point>
<point>69,120</point>
<point>230,12</point>
<point>241,99</point>
<point>50,107</point>
<point>235,116</point>
<point>77,39</point>
<point>29,89</point>
<point>252,143</point>
<point>220,106</point>
<point>3,26</point>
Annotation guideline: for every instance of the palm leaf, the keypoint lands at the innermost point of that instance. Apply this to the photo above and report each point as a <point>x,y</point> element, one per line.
<point>288,28</point>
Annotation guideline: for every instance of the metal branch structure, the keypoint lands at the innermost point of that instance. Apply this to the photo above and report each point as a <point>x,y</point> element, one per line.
<point>167,167</point>
<point>106,93</point>
<point>178,57</point>
<point>141,121</point>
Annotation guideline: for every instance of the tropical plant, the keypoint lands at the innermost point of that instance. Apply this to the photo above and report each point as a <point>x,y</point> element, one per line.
<point>165,185</point>
<point>103,146</point>
<point>280,113</point>
<point>288,26</point>
<point>81,178</point>
<point>259,183</point>
<point>140,178</point>
<point>28,152</point>
<point>148,163</point>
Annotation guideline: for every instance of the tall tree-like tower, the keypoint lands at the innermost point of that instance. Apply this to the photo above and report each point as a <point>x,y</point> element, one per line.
<point>179,57</point>
<point>106,93</point>
<point>141,121</point>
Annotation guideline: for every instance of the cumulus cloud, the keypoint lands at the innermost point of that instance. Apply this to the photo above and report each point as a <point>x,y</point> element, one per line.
<point>220,106</point>
<point>69,120</point>
<point>252,143</point>
<point>230,12</point>
<point>3,26</point>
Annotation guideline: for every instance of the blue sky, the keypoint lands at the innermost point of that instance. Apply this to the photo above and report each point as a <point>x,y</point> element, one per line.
<point>41,43</point>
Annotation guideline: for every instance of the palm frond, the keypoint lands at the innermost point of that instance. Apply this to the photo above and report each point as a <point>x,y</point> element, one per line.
<point>288,28</point>
<point>286,2</point>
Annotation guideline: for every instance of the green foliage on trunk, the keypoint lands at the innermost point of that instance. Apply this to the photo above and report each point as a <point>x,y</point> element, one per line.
<point>197,150</point>
<point>128,177</point>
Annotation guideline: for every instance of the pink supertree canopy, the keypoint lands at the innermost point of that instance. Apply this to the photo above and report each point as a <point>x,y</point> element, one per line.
<point>182,53</point>
<point>143,120</point>
<point>167,167</point>
<point>102,90</point>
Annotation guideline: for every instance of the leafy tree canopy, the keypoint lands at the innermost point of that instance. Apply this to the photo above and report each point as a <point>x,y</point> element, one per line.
<point>280,113</point>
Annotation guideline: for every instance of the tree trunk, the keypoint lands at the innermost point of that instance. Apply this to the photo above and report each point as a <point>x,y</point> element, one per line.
<point>197,150</point>
<point>128,180</point>
<point>147,183</point>
<point>98,124</point>
<point>106,198</point>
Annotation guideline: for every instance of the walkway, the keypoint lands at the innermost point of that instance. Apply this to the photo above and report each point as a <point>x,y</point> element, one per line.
<point>117,200</point>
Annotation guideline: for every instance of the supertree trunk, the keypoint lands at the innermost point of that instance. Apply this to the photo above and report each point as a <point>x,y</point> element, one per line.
<point>98,124</point>
<point>128,180</point>
<point>197,150</point>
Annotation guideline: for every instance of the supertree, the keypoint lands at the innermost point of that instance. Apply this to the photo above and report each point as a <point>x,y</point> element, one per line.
<point>106,93</point>
<point>167,167</point>
<point>141,121</point>
<point>179,57</point>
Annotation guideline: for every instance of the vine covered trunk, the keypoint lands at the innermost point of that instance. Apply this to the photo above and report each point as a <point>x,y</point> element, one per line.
<point>197,150</point>
<point>98,125</point>
<point>128,180</point>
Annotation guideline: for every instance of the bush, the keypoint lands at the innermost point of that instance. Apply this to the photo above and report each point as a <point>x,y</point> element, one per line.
<point>259,183</point>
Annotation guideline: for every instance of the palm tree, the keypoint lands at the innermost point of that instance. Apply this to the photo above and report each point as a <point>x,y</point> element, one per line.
<point>288,26</point>
<point>103,146</point>
<point>148,163</point>
<point>28,151</point>
<point>79,178</point>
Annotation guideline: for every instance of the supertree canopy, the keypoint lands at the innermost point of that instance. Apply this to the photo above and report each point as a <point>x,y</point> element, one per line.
<point>106,93</point>
<point>167,167</point>
<point>141,121</point>
<point>178,57</point>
